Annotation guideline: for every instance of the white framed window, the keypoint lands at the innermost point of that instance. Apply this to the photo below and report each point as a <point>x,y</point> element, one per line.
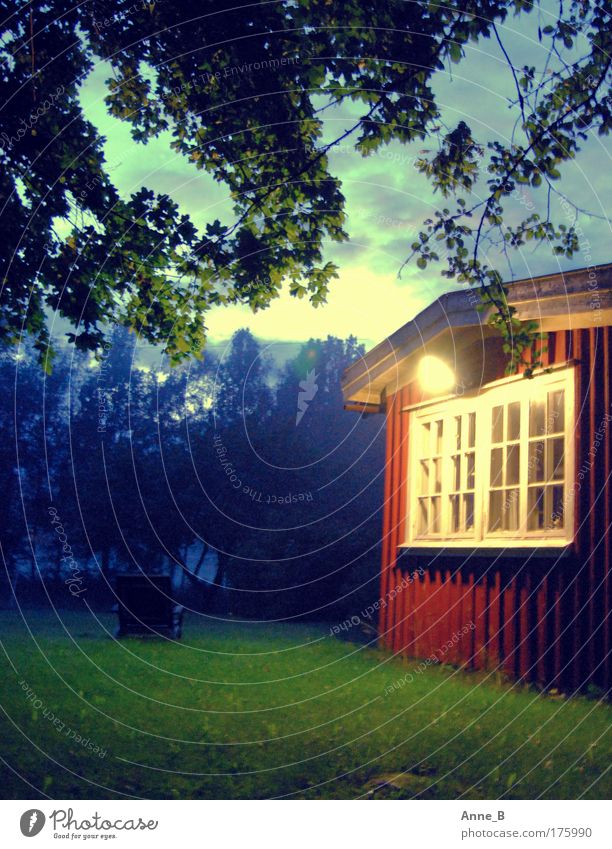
<point>496,469</point>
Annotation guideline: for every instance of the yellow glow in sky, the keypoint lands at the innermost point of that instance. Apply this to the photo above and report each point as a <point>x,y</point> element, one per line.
<point>361,302</point>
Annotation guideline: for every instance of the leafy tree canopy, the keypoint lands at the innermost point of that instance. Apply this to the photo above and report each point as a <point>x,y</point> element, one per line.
<point>192,70</point>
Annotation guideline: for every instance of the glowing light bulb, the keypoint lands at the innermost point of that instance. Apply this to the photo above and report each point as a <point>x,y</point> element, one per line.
<point>435,375</point>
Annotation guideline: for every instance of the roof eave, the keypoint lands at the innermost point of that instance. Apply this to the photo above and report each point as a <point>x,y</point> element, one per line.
<point>585,300</point>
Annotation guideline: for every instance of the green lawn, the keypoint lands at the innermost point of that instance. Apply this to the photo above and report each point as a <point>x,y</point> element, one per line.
<point>260,711</point>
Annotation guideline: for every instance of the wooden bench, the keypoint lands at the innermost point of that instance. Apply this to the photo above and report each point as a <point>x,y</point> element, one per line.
<point>145,606</point>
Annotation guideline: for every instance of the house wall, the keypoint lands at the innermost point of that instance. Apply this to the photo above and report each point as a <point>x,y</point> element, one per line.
<point>538,619</point>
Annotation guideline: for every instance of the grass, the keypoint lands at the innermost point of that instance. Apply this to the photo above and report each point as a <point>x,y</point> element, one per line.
<point>258,711</point>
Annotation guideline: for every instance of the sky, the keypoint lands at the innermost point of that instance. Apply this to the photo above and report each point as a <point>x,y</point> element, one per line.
<point>386,202</point>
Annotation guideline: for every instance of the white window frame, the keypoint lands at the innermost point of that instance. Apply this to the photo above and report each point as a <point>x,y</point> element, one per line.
<point>505,391</point>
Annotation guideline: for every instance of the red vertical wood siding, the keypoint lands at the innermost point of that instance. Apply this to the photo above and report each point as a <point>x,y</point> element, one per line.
<point>544,621</point>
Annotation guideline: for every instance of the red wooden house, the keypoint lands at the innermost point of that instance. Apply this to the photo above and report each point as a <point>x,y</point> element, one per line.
<point>498,490</point>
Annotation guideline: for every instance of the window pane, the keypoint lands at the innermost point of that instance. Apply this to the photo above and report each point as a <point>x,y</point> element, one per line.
<point>535,509</point>
<point>468,506</point>
<point>496,501</point>
<point>496,466</point>
<point>558,508</point>
<point>537,412</point>
<point>439,433</point>
<point>511,510</point>
<point>556,465</point>
<point>512,464</point>
<point>435,516</point>
<point>424,485</point>
<point>437,473</point>
<point>514,420</point>
<point>454,514</point>
<point>457,473</point>
<point>556,411</point>
<point>423,523</point>
<point>471,468</point>
<point>425,440</point>
<point>457,430</point>
<point>471,430</point>
<point>497,425</point>
<point>535,466</point>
